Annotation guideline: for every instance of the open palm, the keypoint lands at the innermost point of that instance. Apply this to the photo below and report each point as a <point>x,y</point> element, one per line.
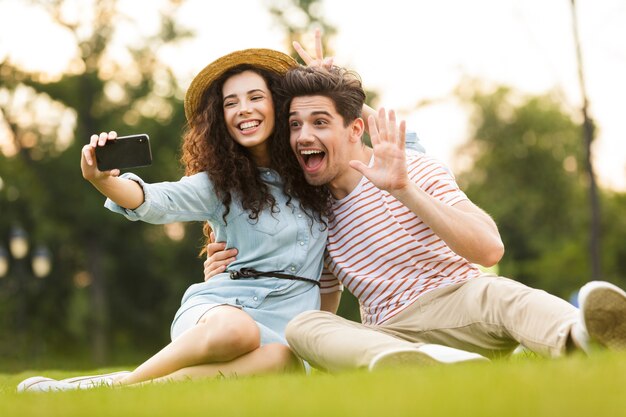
<point>388,170</point>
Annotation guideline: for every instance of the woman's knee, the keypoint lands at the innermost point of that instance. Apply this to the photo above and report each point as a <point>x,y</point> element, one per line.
<point>281,359</point>
<point>231,331</point>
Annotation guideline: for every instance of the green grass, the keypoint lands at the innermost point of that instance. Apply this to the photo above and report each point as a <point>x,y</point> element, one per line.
<point>573,386</point>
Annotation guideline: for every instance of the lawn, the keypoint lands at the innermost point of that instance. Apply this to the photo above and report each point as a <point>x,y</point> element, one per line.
<point>529,387</point>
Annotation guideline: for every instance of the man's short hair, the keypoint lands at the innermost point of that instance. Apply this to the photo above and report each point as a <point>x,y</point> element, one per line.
<point>343,87</point>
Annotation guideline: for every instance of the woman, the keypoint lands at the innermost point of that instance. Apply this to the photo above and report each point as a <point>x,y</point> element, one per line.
<point>242,177</point>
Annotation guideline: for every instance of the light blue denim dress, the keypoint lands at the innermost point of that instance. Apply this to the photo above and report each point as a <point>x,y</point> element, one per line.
<point>287,240</point>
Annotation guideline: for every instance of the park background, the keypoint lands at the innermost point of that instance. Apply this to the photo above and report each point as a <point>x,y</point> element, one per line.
<point>493,89</point>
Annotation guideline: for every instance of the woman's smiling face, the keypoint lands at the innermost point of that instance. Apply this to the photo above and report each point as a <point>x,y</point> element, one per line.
<point>249,112</point>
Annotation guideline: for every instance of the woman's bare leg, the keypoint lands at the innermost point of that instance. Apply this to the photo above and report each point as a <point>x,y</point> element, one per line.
<point>272,358</point>
<point>223,334</point>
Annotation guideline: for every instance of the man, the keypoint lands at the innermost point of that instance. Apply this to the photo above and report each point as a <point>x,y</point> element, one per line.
<point>404,239</point>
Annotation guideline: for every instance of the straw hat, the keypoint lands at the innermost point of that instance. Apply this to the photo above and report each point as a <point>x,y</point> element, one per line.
<point>264,58</point>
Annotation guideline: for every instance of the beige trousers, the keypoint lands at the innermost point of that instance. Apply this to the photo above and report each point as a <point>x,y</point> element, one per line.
<point>488,315</point>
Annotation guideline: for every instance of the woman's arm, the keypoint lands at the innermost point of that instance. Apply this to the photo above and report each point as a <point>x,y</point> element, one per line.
<point>124,192</point>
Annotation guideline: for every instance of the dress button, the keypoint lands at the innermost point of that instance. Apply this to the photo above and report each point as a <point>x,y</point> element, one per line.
<point>300,216</point>
<point>255,298</point>
<point>293,268</point>
<point>301,243</point>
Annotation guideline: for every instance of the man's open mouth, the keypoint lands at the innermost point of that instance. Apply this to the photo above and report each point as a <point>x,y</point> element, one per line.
<point>312,158</point>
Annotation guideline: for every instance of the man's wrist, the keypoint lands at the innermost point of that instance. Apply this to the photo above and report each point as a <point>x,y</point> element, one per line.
<point>402,193</point>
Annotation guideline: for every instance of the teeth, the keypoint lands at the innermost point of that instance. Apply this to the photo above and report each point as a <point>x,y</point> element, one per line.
<point>248,125</point>
<point>310,152</point>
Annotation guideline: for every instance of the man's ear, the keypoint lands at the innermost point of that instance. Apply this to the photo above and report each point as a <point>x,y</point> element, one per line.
<point>357,127</point>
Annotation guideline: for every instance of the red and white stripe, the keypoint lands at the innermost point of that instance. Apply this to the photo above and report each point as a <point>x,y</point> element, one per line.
<point>384,254</point>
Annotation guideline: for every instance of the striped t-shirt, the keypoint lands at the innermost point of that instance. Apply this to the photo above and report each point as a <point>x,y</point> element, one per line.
<point>383,253</point>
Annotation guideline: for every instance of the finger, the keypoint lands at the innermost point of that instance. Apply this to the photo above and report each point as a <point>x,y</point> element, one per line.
<point>393,131</point>
<point>112,135</point>
<point>102,139</point>
<point>319,49</point>
<point>360,166</point>
<point>212,237</point>
<point>328,62</point>
<point>371,123</point>
<point>112,172</point>
<point>383,131</point>
<point>212,248</point>
<point>87,154</point>
<point>208,274</point>
<point>306,58</point>
<point>402,139</point>
<point>213,265</point>
<point>93,141</point>
<point>223,255</point>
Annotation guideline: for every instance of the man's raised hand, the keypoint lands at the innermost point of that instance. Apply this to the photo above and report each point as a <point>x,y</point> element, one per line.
<point>319,60</point>
<point>388,170</point>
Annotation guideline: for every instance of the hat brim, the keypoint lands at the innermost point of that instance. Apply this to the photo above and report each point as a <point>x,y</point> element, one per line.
<point>268,59</point>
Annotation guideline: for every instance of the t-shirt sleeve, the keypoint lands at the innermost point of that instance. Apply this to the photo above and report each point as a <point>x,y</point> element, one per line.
<point>329,282</point>
<point>436,179</point>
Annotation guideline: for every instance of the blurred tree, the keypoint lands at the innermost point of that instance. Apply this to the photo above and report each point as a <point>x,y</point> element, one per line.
<point>588,134</point>
<point>613,229</point>
<point>300,18</point>
<point>110,85</point>
<point>527,171</point>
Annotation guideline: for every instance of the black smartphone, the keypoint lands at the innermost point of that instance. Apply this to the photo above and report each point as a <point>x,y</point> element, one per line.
<point>124,152</point>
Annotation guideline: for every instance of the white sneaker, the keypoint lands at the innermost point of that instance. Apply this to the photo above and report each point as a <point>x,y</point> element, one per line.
<point>603,310</point>
<point>93,381</point>
<point>427,354</point>
<point>43,384</point>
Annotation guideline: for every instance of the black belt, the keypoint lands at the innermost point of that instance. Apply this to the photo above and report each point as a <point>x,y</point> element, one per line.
<point>253,273</point>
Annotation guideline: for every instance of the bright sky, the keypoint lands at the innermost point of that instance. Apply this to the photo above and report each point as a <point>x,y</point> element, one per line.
<point>410,51</point>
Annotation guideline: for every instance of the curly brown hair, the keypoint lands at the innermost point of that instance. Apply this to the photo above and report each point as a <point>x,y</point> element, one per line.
<point>208,147</point>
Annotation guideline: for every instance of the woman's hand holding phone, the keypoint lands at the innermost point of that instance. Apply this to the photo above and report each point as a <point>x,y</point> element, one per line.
<point>88,164</point>
<point>124,192</point>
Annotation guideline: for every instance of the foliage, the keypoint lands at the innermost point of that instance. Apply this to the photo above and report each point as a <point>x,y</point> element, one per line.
<point>527,172</point>
<point>301,18</point>
<point>105,290</point>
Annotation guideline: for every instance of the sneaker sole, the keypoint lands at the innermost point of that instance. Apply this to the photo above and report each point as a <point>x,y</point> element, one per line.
<point>605,315</point>
<point>27,384</point>
<point>397,359</point>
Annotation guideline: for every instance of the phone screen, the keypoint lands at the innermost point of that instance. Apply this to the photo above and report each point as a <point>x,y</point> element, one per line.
<point>124,152</point>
